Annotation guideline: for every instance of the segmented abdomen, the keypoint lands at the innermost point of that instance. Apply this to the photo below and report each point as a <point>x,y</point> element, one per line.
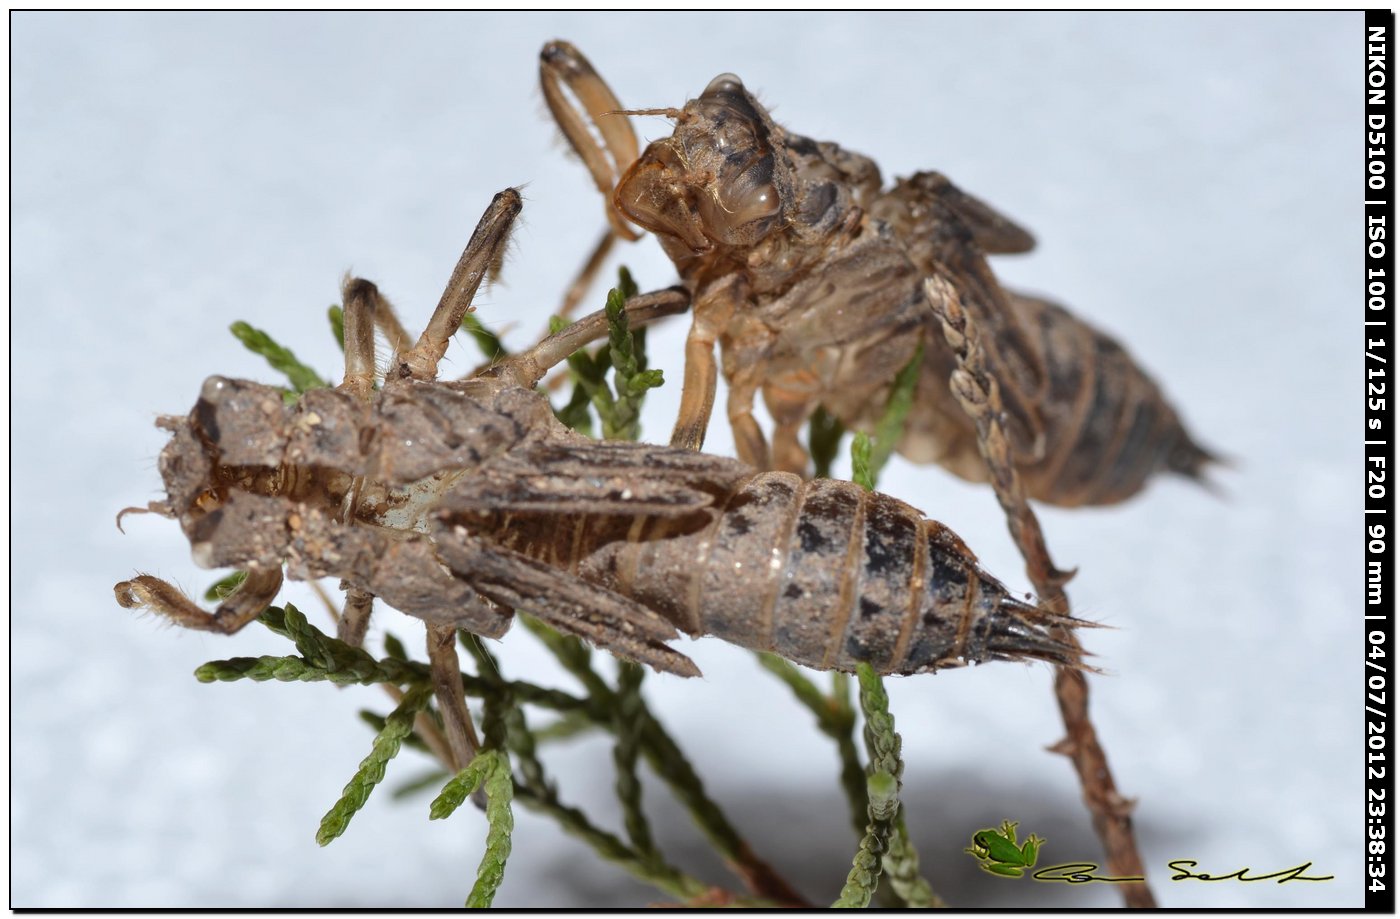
<point>1108,426</point>
<point>827,575</point>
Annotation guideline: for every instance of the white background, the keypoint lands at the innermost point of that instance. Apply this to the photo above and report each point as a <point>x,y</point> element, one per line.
<point>1194,181</point>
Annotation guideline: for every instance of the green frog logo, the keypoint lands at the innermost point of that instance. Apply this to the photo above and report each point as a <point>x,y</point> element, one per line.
<point>998,852</point>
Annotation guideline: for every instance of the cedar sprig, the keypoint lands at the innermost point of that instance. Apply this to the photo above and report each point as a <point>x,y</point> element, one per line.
<point>220,589</point>
<point>398,726</point>
<point>489,771</point>
<point>280,358</point>
<point>336,314</point>
<point>885,845</point>
<point>882,788</point>
<point>489,342</point>
<point>890,428</point>
<point>628,720</point>
<point>618,407</point>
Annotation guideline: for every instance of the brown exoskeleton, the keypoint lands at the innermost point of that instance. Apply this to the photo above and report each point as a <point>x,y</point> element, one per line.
<point>457,502</point>
<point>810,276</point>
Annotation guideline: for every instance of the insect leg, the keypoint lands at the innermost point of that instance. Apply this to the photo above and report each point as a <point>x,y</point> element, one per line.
<point>529,367</point>
<point>697,388</point>
<point>400,568</point>
<point>562,67</point>
<point>790,407</point>
<point>788,453</point>
<point>749,442</point>
<point>562,600</point>
<point>452,701</point>
<point>712,311</point>
<point>354,616</point>
<point>361,299</point>
<point>481,256</point>
<point>238,609</point>
<point>386,320</point>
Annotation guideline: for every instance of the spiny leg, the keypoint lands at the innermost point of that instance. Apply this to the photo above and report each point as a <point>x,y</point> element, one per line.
<point>562,66</point>
<point>562,600</point>
<point>977,393</point>
<point>238,609</point>
<point>481,256</point>
<point>386,320</point>
<point>593,108</point>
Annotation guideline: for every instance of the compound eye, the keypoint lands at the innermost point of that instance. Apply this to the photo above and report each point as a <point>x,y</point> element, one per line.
<point>724,83</point>
<point>749,202</point>
<point>743,205</point>
<point>740,219</point>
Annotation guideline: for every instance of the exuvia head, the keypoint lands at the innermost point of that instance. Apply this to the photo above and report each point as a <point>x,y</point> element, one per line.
<point>716,180</point>
<point>231,443</point>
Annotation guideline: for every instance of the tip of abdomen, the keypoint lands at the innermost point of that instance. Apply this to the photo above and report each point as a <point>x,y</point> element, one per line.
<point>1019,631</point>
<point>1190,459</point>
<point>997,628</point>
